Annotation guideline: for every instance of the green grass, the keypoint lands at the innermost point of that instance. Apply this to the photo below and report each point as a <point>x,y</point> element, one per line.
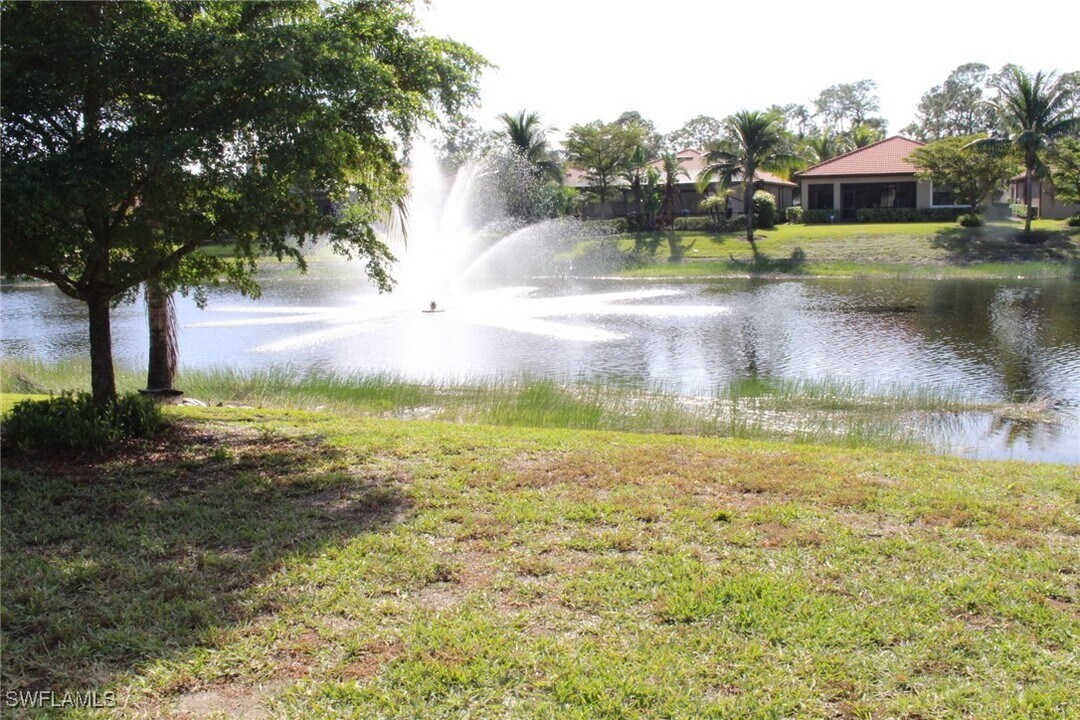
<point>857,249</point>
<point>819,411</point>
<point>326,565</point>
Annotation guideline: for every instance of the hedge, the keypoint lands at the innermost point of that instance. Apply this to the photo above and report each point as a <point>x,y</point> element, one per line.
<point>708,224</point>
<point>908,214</point>
<point>883,215</point>
<point>1020,210</point>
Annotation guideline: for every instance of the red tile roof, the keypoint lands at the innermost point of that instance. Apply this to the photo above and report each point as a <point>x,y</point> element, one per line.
<point>693,161</point>
<point>885,157</point>
<point>765,177</point>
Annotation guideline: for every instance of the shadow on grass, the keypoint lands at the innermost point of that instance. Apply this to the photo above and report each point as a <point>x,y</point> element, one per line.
<point>992,243</point>
<point>112,563</point>
<point>762,264</point>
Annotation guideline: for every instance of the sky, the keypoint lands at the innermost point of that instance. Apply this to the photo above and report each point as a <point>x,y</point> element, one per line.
<point>575,61</point>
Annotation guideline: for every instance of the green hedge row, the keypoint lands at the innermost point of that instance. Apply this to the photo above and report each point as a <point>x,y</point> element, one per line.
<point>908,214</point>
<point>818,217</point>
<point>1020,210</point>
<point>703,223</point>
<point>876,215</point>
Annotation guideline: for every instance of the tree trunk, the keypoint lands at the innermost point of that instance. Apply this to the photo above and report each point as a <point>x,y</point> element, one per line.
<point>102,376</point>
<point>1030,166</point>
<point>748,208</point>
<point>164,349</point>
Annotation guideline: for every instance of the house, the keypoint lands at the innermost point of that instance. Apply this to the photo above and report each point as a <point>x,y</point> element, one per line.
<point>876,176</point>
<point>693,162</point>
<point>1043,198</point>
<point>687,199</point>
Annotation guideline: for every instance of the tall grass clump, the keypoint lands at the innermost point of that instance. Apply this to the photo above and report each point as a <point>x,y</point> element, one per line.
<point>34,377</point>
<point>289,387</point>
<point>71,422</point>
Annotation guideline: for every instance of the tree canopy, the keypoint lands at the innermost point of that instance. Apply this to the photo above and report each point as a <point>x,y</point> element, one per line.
<point>844,106</point>
<point>603,150</point>
<point>1065,170</point>
<point>956,107</point>
<point>1034,111</point>
<point>134,132</point>
<point>972,173</point>
<point>697,132</point>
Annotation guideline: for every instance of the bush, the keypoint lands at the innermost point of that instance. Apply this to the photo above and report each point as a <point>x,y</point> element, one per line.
<point>733,223</point>
<point>819,217</point>
<point>971,220</point>
<point>695,222</point>
<point>764,209</point>
<point>71,422</point>
<point>1074,221</point>
<point>879,215</point>
<point>794,214</point>
<point>703,223</point>
<point>609,226</point>
<point>1020,210</point>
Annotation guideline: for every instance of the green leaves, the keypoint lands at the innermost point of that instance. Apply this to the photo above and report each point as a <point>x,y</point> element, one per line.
<point>133,132</point>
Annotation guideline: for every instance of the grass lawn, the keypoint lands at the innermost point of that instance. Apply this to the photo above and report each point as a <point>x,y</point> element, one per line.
<point>312,564</point>
<point>868,249</point>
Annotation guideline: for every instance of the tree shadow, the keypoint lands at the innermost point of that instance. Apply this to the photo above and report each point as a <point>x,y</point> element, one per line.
<point>112,563</point>
<point>762,264</point>
<point>1004,244</point>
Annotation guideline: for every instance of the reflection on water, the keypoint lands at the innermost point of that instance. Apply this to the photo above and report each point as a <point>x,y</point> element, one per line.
<point>996,340</point>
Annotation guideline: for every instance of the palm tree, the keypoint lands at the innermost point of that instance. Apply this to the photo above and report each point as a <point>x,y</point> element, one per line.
<point>825,146</point>
<point>672,171</point>
<point>756,142</point>
<point>863,135</point>
<point>529,138</point>
<point>633,172</point>
<point>1035,112</point>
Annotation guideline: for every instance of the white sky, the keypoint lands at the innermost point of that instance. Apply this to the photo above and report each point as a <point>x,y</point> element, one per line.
<point>575,61</point>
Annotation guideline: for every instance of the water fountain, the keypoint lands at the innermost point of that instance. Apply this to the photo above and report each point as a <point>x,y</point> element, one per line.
<point>468,271</point>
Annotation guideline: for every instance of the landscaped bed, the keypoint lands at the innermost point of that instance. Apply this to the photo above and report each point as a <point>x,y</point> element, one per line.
<point>315,564</point>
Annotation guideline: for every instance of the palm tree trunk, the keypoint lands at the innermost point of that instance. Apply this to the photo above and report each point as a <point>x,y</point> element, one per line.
<point>1030,166</point>
<point>164,348</point>
<point>748,208</point>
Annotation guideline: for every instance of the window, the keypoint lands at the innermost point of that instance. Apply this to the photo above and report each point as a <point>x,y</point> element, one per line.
<point>821,197</point>
<point>879,195</point>
<point>944,195</point>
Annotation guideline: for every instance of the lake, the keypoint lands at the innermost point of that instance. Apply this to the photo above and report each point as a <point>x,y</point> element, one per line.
<point>994,340</point>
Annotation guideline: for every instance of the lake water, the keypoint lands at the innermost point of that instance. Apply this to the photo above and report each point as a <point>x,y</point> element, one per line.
<point>995,340</point>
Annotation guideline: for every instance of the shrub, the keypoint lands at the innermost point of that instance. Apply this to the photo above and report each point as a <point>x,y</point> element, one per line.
<point>794,214</point>
<point>71,422</point>
<point>819,217</point>
<point>907,214</point>
<point>703,223</point>
<point>735,222</point>
<point>971,220</point>
<point>1074,221</point>
<point>1020,210</point>
<point>695,222</point>
<point>608,226</point>
<point>764,209</point>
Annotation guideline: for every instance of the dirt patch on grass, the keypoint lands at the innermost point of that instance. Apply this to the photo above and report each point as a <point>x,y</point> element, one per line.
<point>239,702</point>
<point>371,659</point>
<point>469,571</point>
